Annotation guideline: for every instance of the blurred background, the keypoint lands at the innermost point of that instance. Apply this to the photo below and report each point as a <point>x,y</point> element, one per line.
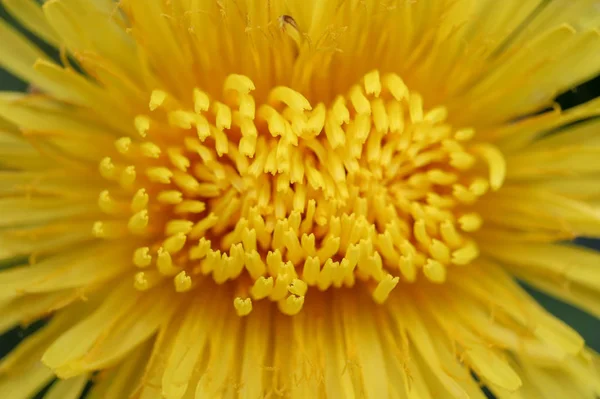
<point>587,326</point>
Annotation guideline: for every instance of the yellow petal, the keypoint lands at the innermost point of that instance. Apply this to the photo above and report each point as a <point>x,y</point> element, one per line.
<point>32,307</point>
<point>67,389</point>
<point>488,365</point>
<point>76,342</point>
<point>188,345</point>
<point>18,55</point>
<point>125,333</point>
<point>26,383</point>
<point>527,209</point>
<point>117,382</point>
<point>19,211</point>
<point>71,269</point>
<point>30,14</point>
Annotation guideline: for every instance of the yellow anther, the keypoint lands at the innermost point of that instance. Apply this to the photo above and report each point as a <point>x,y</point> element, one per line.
<point>190,206</point>
<point>396,86</point>
<point>150,150</point>
<point>238,83</point>
<point>479,187</point>
<point>142,257</point>
<point>140,200</point>
<point>464,134</point>
<point>243,307</point>
<point>441,177</point>
<point>254,264</point>
<point>329,248</point>
<point>107,169</point>
<point>452,145</point>
<point>213,258</point>
<point>107,229</point>
<point>463,194</point>
<point>373,83</point>
<point>157,98</point>
<point>280,288</point>
<point>221,142</point>
<point>470,222</point>
<point>275,121</point>
<point>128,176</point>
<point>420,233</point>
<point>171,197</point>
<point>178,160</point>
<point>434,271</point>
<point>359,101</point>
<point>143,281</point>
<point>326,275</point>
<point>438,201</point>
<point>123,145</point>
<point>140,281</point>
<point>159,175</point>
<point>415,107</point>
<point>175,243</point>
<point>202,127</point>
<point>187,182</point>
<point>98,229</point>
<point>335,134</point>
<point>450,235</point>
<point>247,106</point>
<point>222,116</point>
<point>395,116</point>
<point>138,222</point>
<point>164,263</point>
<point>439,251</point>
<point>262,287</point>
<point>107,204</point>
<point>380,117</point>
<point>436,115</point>
<point>142,125</point>
<point>274,262</point>
<point>311,270</point>
<point>338,110</point>
<point>183,119</point>
<point>200,250</point>
<point>201,101</point>
<point>204,225</point>
<point>315,123</point>
<point>407,268</point>
<point>384,288</point>
<point>466,254</point>
<point>291,305</point>
<point>289,97</point>
<point>291,242</point>
<point>249,239</point>
<point>178,226</point>
<point>298,287</point>
<point>183,282</point>
<point>495,161</point>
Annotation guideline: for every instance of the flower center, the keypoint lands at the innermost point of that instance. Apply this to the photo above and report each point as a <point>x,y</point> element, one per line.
<point>283,196</point>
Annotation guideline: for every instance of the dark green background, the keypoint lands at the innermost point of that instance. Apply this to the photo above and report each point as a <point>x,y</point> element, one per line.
<point>585,324</point>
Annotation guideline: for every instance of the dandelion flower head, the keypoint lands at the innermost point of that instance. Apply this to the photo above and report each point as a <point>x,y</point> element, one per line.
<point>300,198</point>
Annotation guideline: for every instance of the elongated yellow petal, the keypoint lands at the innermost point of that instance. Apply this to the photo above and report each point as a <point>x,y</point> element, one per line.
<point>18,56</point>
<point>68,270</point>
<point>129,331</point>
<point>30,14</point>
<point>32,307</point>
<point>116,382</point>
<point>67,389</point>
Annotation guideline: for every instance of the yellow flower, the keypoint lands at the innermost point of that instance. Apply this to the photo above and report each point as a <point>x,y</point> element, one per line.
<point>299,198</point>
